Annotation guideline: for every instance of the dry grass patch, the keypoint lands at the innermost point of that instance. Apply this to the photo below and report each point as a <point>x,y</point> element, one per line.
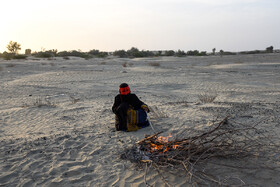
<point>10,65</point>
<point>74,100</point>
<point>207,97</point>
<point>154,64</point>
<point>41,102</point>
<point>124,64</point>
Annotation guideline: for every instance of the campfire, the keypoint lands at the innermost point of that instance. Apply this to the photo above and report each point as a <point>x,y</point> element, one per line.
<point>222,141</point>
<point>161,144</point>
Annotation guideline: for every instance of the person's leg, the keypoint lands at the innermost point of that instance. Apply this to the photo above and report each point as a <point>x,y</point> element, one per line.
<point>117,123</point>
<point>143,121</point>
<point>121,115</point>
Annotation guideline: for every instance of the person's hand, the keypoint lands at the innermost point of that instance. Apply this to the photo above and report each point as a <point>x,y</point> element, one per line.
<point>145,108</point>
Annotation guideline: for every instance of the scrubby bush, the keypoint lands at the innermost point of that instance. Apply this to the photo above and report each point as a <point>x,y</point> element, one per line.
<point>251,52</point>
<point>66,58</point>
<point>74,53</point>
<point>147,53</point>
<point>155,64</point>
<point>134,52</point>
<point>202,53</point>
<point>229,53</point>
<point>269,49</point>
<point>169,53</point>
<point>180,53</point>
<point>97,53</point>
<point>102,54</point>
<point>20,57</point>
<point>8,56</point>
<point>42,54</point>
<point>45,54</point>
<point>120,53</point>
<point>94,52</point>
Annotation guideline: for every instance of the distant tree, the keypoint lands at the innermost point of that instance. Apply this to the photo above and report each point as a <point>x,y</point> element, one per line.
<point>134,52</point>
<point>27,51</point>
<point>193,53</point>
<point>169,53</point>
<point>102,54</point>
<point>203,53</point>
<point>269,49</point>
<point>120,53</point>
<point>214,51</point>
<point>221,52</point>
<point>13,47</point>
<point>94,52</point>
<point>180,53</point>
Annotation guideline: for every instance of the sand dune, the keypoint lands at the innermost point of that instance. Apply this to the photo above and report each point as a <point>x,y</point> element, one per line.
<point>57,128</point>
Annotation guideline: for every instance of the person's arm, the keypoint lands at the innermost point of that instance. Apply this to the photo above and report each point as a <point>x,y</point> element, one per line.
<point>116,104</point>
<point>141,104</point>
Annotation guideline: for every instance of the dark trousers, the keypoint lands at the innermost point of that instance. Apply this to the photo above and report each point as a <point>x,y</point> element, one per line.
<point>121,116</point>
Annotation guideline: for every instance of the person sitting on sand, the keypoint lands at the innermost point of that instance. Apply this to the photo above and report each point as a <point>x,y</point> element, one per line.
<point>131,112</point>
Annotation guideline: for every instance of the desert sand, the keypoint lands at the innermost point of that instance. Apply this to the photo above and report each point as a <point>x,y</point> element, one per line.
<point>57,127</point>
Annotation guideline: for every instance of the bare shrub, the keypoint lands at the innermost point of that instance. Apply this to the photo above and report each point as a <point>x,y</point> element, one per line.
<point>74,100</point>
<point>10,65</point>
<point>157,113</point>
<point>41,102</point>
<point>154,64</point>
<point>124,64</point>
<point>183,102</point>
<point>207,98</point>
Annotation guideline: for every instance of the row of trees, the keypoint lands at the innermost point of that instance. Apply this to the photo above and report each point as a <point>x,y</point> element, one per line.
<point>14,47</point>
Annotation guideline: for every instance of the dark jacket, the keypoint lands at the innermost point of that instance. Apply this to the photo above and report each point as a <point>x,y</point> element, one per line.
<point>130,99</point>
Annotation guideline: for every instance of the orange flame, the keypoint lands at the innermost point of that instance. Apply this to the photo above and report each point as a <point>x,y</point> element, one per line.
<point>163,145</point>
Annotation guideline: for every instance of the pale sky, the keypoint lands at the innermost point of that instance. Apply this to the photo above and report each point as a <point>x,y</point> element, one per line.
<point>109,25</point>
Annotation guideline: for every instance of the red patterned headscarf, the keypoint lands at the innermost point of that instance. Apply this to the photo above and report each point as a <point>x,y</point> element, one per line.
<point>124,89</point>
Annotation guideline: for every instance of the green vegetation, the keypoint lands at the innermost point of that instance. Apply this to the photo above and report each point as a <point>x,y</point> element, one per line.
<point>120,53</point>
<point>97,53</point>
<point>269,49</point>
<point>14,47</point>
<point>180,53</point>
<point>20,57</point>
<point>10,56</point>
<point>250,52</point>
<point>74,53</point>
<point>7,56</point>
<point>45,54</point>
<point>169,53</point>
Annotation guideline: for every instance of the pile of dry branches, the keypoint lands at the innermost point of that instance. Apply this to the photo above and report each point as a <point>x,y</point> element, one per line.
<point>222,141</point>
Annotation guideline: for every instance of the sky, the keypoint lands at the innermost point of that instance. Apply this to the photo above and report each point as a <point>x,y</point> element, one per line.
<point>109,25</point>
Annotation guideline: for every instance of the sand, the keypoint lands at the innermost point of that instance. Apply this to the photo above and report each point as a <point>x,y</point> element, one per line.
<point>57,127</point>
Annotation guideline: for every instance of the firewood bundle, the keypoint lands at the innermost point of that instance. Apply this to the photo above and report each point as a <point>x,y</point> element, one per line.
<point>222,141</point>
